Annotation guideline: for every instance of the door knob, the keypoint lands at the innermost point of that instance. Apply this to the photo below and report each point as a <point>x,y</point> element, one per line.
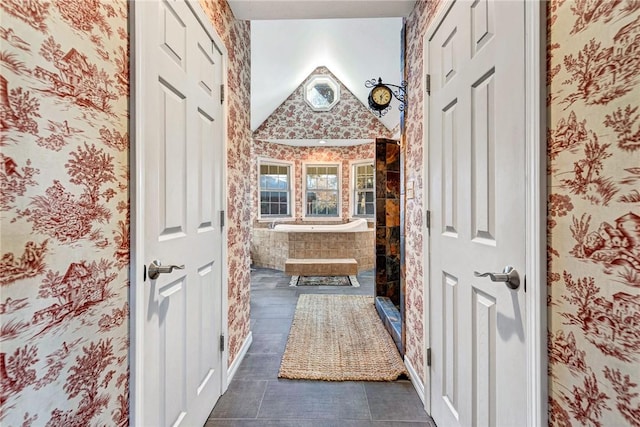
<point>155,269</point>
<point>509,275</point>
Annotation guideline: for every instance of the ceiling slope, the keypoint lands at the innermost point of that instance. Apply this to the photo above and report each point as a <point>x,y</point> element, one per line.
<point>348,122</point>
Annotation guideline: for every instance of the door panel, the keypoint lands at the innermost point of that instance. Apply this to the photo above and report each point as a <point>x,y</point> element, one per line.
<point>450,350</point>
<point>173,322</point>
<point>183,156</point>
<point>172,195</point>
<point>484,360</point>
<point>477,200</point>
<point>483,160</point>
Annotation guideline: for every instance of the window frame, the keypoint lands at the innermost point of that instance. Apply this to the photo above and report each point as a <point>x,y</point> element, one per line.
<point>262,161</point>
<point>338,216</point>
<point>320,79</point>
<point>353,166</point>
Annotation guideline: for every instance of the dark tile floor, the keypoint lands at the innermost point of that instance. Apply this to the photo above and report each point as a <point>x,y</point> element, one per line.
<point>256,397</point>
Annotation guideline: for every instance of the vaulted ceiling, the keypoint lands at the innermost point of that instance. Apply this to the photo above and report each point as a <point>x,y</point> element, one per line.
<point>357,40</point>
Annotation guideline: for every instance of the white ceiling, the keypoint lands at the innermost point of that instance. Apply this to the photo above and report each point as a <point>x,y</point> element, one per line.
<point>319,9</point>
<point>357,40</point>
<point>285,52</point>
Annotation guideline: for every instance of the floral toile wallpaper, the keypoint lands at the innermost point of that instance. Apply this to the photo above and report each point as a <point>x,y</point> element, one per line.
<point>348,119</point>
<point>593,61</point>
<point>236,36</point>
<point>294,119</point>
<point>64,207</point>
<point>416,26</point>
<point>593,144</point>
<point>297,155</point>
<point>64,201</point>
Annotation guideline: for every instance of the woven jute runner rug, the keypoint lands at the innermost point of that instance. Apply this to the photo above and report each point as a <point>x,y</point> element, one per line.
<point>339,338</point>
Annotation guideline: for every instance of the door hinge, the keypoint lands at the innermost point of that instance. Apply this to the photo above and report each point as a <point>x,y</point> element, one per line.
<point>221,343</point>
<point>221,219</point>
<point>221,94</point>
<point>429,221</point>
<point>428,84</point>
<point>429,357</point>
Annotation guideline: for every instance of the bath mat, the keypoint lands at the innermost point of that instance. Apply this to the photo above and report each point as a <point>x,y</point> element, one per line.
<point>339,338</point>
<point>324,281</point>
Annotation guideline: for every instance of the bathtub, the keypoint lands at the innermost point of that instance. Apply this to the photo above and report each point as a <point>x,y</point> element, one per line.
<point>359,224</point>
<point>271,247</point>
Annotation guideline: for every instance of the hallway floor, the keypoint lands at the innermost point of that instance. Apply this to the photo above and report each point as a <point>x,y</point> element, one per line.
<point>256,397</point>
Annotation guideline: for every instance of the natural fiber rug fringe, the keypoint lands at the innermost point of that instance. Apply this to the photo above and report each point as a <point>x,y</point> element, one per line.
<point>339,338</point>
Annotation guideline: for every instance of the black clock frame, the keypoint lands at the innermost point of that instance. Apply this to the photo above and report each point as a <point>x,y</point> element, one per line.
<point>400,93</point>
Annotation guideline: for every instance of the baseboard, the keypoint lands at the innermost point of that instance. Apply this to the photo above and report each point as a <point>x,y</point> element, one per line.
<point>415,379</point>
<point>240,357</point>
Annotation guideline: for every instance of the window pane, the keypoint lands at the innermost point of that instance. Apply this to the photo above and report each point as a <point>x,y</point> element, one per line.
<point>274,185</point>
<point>369,182</point>
<point>322,190</point>
<point>312,182</point>
<point>364,203</point>
<point>332,182</point>
<point>370,209</point>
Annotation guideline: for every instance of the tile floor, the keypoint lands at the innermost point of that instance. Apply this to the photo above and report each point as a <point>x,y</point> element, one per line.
<point>256,397</point>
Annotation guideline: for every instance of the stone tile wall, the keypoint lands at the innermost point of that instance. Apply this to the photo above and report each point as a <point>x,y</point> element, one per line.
<point>388,179</point>
<point>271,249</point>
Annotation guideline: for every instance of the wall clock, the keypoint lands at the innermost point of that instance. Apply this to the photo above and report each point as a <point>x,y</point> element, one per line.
<point>380,97</point>
<point>381,94</point>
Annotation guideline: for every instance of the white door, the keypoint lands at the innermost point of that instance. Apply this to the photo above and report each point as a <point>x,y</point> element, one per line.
<point>477,200</point>
<point>182,135</point>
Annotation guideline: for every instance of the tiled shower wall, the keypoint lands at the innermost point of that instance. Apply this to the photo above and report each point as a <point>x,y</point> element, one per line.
<point>388,201</point>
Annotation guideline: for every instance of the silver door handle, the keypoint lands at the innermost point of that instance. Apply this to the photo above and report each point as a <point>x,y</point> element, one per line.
<point>509,275</point>
<point>155,269</point>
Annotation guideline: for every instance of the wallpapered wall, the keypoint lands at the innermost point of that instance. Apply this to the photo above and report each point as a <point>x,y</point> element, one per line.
<point>64,206</point>
<point>294,119</point>
<point>594,212</point>
<point>237,37</point>
<point>65,213</point>
<point>297,155</point>
<point>416,26</point>
<point>348,119</point>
